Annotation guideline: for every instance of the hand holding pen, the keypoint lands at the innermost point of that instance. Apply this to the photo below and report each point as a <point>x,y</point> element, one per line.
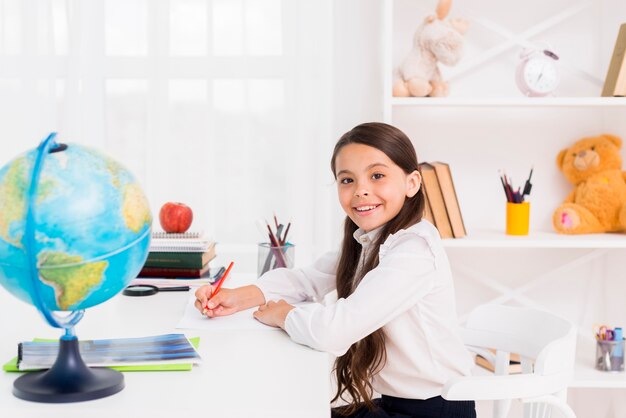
<point>209,303</point>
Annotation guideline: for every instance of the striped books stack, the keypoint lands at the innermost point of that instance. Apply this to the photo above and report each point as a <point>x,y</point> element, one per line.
<point>178,255</point>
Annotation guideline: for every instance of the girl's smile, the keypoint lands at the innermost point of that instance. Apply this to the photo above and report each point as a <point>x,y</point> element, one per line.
<point>365,210</point>
<point>371,187</point>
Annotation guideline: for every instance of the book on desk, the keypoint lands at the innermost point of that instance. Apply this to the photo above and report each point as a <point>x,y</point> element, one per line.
<point>178,255</point>
<point>168,352</point>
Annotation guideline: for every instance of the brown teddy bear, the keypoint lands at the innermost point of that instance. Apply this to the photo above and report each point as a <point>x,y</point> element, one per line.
<point>597,204</point>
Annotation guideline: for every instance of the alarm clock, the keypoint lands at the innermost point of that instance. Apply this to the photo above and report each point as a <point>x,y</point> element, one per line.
<point>537,73</point>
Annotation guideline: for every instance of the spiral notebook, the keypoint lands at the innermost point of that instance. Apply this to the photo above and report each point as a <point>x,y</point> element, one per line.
<point>187,242</point>
<point>172,235</point>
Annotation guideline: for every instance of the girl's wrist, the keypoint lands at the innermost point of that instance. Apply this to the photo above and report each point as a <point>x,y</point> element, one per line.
<point>284,315</point>
<point>251,296</point>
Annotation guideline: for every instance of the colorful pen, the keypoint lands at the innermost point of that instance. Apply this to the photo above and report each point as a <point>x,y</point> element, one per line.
<point>219,284</point>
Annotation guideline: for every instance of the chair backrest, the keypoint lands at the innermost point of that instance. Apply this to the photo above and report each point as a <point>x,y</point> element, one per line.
<point>547,347</point>
<point>547,339</point>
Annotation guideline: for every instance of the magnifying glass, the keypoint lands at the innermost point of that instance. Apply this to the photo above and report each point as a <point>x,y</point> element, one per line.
<point>148,289</point>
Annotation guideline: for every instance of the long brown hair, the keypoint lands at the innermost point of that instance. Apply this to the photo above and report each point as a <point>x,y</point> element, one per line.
<point>366,357</point>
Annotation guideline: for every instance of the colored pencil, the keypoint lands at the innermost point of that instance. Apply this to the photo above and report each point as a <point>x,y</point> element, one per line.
<point>218,286</point>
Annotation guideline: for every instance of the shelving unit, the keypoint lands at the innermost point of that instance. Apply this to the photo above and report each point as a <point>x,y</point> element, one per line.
<point>486,124</point>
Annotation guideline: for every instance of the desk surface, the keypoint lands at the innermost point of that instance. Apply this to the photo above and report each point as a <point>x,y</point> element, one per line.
<point>244,374</point>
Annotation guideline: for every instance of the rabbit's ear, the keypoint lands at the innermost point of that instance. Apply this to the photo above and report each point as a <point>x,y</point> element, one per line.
<point>443,8</point>
<point>459,25</point>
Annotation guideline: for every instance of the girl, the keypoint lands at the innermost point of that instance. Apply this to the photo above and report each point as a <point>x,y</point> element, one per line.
<point>393,326</point>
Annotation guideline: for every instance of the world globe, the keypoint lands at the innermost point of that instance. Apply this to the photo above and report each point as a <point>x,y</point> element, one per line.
<point>74,230</point>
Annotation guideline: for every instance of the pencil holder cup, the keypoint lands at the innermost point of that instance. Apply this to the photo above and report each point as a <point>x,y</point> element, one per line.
<point>610,356</point>
<point>517,218</point>
<point>270,257</point>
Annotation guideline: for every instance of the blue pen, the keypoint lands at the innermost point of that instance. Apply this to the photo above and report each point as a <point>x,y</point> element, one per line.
<point>619,337</point>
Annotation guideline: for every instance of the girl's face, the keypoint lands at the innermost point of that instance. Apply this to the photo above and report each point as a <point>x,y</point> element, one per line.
<point>371,187</point>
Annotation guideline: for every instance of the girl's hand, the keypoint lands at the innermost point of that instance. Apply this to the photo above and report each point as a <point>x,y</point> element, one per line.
<point>273,313</point>
<point>225,301</point>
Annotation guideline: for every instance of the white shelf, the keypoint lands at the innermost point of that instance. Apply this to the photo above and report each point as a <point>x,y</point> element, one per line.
<point>498,239</point>
<point>509,102</point>
<point>585,374</point>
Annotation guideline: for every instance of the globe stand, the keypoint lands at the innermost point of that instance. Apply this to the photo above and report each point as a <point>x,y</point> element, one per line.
<point>69,379</point>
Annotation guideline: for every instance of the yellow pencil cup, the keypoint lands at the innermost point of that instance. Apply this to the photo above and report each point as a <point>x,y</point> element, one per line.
<point>517,218</point>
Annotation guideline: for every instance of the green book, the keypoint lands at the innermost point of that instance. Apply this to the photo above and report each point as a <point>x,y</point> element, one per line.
<point>11,365</point>
<point>180,260</point>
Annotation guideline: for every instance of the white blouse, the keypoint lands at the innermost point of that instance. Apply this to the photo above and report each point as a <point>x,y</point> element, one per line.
<point>409,294</point>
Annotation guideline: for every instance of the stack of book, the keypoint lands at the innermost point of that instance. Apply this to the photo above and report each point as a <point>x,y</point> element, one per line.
<point>178,255</point>
<point>442,205</point>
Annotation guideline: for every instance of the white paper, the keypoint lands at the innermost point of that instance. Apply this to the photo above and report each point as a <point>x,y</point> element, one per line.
<point>242,320</point>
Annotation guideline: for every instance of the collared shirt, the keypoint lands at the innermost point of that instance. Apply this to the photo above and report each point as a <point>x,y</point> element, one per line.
<point>410,295</point>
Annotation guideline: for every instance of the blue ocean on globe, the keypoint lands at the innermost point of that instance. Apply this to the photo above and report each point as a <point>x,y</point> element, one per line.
<point>92,226</point>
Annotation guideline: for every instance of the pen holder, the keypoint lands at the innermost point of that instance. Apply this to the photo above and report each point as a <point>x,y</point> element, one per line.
<point>610,356</point>
<point>517,218</point>
<point>270,257</point>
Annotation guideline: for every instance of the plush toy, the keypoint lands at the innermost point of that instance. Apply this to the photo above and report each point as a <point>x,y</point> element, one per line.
<point>598,202</point>
<point>435,40</point>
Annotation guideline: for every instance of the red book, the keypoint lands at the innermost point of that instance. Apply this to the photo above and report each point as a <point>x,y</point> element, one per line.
<point>172,272</point>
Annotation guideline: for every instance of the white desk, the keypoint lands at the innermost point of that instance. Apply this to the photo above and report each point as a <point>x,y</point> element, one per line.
<point>251,374</point>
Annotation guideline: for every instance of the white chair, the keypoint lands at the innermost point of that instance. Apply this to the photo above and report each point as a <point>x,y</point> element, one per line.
<point>547,347</point>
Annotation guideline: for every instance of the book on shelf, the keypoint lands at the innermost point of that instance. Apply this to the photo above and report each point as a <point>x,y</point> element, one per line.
<point>159,352</point>
<point>174,272</point>
<point>178,259</point>
<point>615,81</point>
<point>435,198</point>
<point>515,365</point>
<point>428,213</point>
<point>450,198</point>
<point>187,242</point>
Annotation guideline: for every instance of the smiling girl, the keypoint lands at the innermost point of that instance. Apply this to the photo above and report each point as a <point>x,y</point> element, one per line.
<point>393,327</point>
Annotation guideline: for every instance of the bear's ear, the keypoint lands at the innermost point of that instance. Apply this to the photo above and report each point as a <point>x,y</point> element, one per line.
<point>560,158</point>
<point>614,139</point>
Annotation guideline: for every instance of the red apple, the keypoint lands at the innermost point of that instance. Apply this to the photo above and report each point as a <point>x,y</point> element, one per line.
<point>175,217</point>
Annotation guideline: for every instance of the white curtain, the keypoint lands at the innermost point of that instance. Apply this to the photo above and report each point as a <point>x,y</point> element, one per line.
<point>221,104</point>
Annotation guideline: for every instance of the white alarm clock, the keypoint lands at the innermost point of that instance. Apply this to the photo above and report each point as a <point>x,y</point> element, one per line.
<point>537,73</point>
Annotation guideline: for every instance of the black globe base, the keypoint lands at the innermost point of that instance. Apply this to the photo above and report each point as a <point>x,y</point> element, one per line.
<point>68,380</point>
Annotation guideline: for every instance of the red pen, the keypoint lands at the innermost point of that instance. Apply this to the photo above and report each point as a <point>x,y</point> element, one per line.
<point>219,284</point>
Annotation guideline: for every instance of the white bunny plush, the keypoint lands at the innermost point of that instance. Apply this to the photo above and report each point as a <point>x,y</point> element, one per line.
<point>435,40</point>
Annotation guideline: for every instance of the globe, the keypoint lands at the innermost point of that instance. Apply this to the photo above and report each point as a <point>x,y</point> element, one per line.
<point>74,230</point>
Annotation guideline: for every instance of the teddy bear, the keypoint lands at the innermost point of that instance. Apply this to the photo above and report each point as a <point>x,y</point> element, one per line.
<point>435,40</point>
<point>598,201</point>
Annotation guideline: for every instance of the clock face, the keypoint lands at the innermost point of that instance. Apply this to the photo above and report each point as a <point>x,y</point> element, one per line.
<point>540,75</point>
